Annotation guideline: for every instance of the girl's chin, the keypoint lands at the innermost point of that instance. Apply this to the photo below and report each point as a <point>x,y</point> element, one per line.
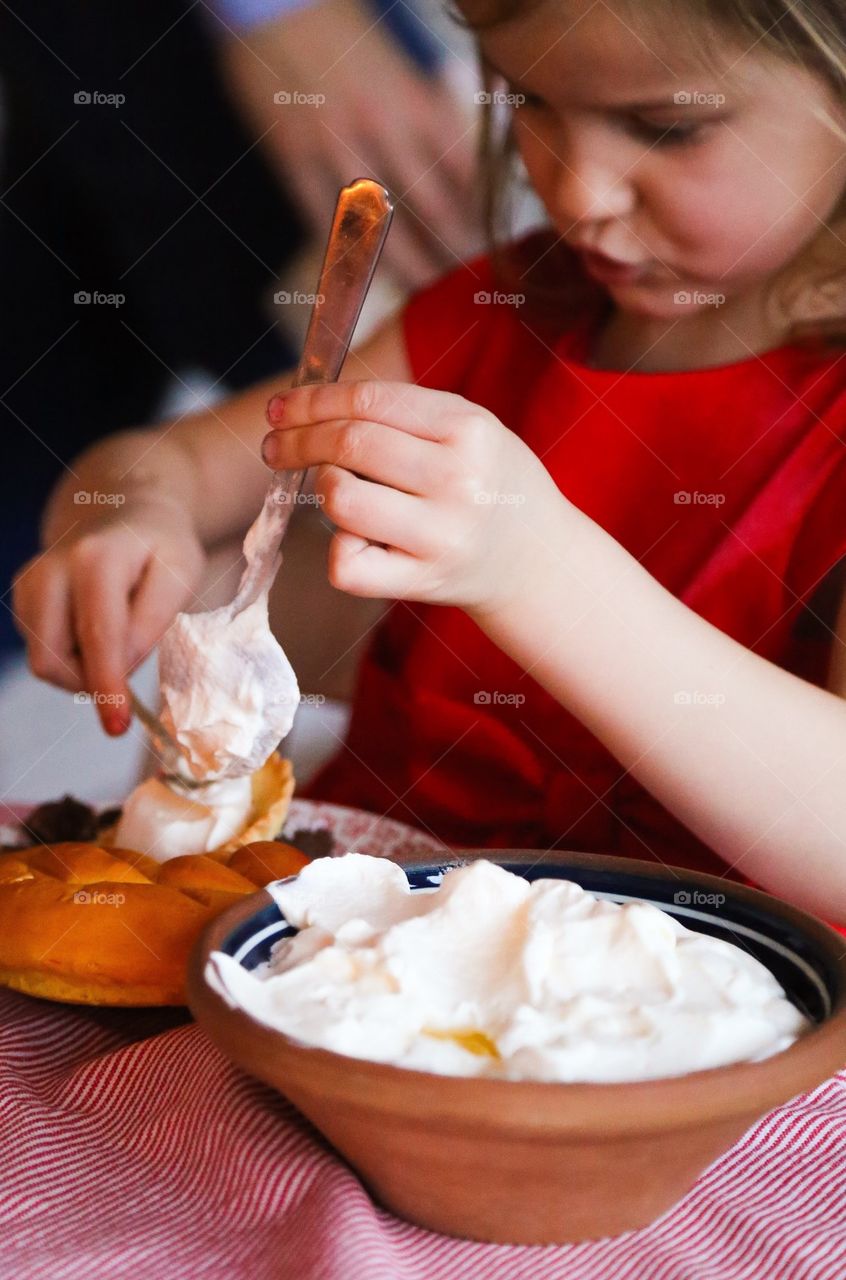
<point>662,302</point>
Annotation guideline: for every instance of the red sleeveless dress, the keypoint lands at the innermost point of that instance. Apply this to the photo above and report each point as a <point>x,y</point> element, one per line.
<point>435,740</point>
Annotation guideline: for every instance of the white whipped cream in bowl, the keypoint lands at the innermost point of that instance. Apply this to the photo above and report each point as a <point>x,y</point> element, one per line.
<point>491,975</point>
<point>543,1051</point>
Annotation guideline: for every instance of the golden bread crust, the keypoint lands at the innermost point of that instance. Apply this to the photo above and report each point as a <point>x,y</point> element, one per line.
<point>89,924</point>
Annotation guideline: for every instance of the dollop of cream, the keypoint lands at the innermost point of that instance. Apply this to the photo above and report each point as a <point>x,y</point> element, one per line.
<point>489,975</point>
<point>165,822</point>
<point>228,692</point>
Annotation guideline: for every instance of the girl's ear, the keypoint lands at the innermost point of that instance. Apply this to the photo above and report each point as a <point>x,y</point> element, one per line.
<point>811,298</point>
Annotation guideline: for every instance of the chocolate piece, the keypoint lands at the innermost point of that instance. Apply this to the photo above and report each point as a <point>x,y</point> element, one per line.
<point>65,819</point>
<point>317,843</point>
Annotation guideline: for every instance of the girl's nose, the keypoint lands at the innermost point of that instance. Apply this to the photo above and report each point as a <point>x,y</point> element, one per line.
<point>588,190</point>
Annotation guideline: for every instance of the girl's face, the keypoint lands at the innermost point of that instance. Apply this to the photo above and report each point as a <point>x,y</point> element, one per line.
<point>693,187</point>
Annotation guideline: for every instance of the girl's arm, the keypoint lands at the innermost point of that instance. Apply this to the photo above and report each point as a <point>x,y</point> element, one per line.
<point>748,756</point>
<point>207,465</point>
<point>436,500</point>
<point>126,532</point>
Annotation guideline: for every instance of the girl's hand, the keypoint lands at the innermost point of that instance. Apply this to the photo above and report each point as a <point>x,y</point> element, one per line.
<point>94,604</point>
<point>433,498</point>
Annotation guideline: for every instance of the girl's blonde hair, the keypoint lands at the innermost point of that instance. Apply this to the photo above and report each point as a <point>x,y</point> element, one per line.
<point>808,33</point>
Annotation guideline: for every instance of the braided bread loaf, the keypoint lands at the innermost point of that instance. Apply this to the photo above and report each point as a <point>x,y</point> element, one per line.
<point>91,924</point>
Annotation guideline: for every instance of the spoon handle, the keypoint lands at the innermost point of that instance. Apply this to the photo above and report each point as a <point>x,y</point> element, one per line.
<point>362,218</point>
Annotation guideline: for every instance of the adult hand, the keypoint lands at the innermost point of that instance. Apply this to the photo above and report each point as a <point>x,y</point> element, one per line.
<point>333,98</point>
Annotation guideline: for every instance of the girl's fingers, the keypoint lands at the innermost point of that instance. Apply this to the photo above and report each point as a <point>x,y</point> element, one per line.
<point>44,618</point>
<point>160,595</point>
<point>100,592</point>
<point>419,411</point>
<point>370,449</point>
<point>362,569</point>
<point>376,513</point>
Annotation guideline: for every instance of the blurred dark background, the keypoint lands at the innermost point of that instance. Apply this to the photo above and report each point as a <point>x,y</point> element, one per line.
<point>160,199</point>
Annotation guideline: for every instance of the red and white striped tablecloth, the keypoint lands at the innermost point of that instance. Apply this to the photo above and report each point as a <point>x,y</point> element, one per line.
<point>130,1147</point>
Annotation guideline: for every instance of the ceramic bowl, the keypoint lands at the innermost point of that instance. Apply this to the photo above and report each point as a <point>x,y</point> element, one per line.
<point>525,1162</point>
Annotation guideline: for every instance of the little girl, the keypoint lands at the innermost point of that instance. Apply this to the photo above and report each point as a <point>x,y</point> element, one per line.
<point>602,474</point>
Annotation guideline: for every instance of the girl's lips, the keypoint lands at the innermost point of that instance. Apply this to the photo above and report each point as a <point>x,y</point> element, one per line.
<point>608,270</point>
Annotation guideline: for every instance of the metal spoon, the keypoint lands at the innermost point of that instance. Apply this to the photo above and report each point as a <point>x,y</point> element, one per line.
<point>362,218</point>
<point>360,225</point>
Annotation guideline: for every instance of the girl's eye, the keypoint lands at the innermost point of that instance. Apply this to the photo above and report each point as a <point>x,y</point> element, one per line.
<point>666,135</point>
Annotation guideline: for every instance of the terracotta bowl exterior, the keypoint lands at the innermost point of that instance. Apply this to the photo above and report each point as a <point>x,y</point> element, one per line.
<point>537,1163</point>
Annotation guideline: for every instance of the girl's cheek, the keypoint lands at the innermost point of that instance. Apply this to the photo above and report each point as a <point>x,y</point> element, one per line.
<point>700,221</point>
<point>539,155</point>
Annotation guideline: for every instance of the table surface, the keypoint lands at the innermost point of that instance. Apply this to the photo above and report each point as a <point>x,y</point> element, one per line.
<point>131,1147</point>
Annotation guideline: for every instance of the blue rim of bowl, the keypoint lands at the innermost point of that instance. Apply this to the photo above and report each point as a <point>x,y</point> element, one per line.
<point>789,954</point>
